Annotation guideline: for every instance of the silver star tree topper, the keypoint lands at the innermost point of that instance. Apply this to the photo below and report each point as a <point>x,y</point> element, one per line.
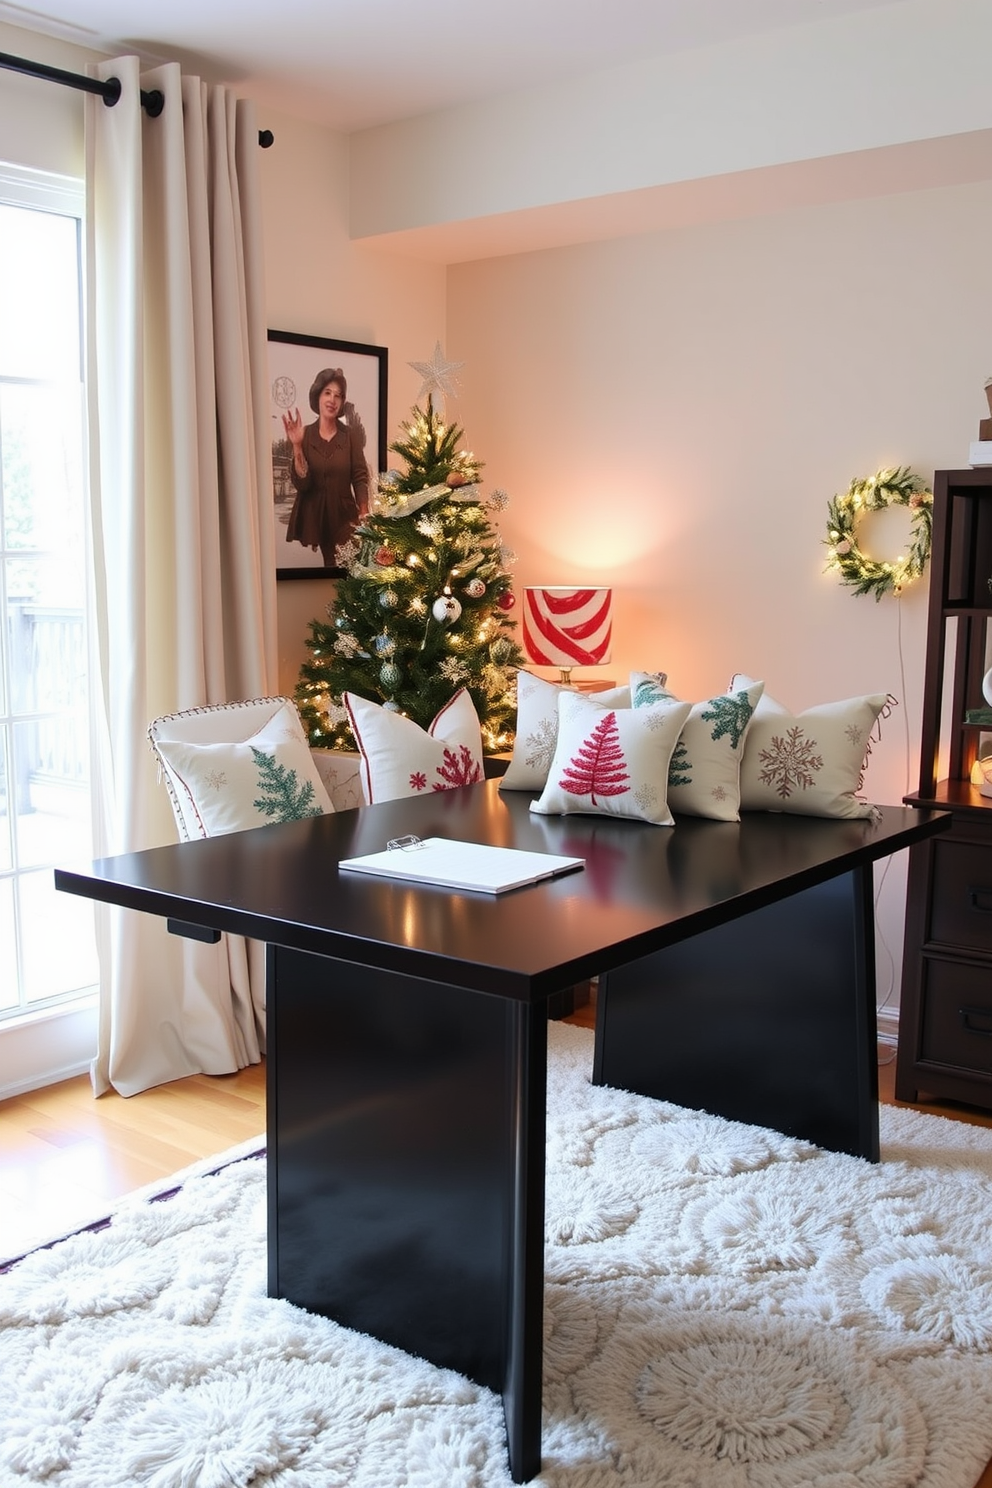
<point>438,374</point>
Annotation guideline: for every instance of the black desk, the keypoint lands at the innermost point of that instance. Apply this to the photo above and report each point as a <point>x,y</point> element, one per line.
<point>407,1034</point>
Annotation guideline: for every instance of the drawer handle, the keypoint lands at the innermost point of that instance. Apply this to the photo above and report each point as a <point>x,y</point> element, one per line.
<point>967,1013</point>
<point>981,899</point>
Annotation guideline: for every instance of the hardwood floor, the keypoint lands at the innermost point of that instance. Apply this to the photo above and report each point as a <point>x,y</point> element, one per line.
<point>65,1157</point>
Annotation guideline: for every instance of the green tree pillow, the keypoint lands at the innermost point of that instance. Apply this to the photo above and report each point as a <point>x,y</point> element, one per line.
<point>267,778</point>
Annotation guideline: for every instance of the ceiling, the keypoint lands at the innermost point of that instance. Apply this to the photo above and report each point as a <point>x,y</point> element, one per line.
<point>368,62</point>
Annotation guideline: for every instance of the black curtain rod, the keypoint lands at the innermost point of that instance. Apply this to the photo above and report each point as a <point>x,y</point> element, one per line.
<point>153,102</point>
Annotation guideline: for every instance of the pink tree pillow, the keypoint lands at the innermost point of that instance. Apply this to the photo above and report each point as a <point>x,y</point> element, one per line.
<point>612,761</point>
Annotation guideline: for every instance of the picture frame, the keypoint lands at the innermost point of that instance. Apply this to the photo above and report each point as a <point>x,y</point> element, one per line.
<point>294,363</point>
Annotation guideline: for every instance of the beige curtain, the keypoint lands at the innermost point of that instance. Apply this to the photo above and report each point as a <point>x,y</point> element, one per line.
<point>183,570</point>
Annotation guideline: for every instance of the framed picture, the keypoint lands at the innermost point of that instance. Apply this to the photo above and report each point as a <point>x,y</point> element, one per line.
<point>348,412</point>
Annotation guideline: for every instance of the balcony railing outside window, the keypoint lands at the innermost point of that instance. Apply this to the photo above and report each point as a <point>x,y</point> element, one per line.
<point>47,953</point>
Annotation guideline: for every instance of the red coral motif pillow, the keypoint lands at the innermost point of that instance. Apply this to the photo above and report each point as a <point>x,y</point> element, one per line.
<point>612,761</point>
<point>399,758</point>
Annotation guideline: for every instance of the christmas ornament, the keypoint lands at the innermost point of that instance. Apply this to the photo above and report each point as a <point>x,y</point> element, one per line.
<point>390,675</point>
<point>389,599</point>
<point>455,478</point>
<point>342,622</point>
<point>446,609</point>
<point>506,600</point>
<point>384,645</point>
<point>385,557</point>
<point>390,707</point>
<point>346,553</point>
<point>475,588</point>
<point>498,499</point>
<point>895,487</point>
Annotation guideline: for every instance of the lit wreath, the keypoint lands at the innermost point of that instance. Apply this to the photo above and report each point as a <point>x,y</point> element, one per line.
<point>896,487</point>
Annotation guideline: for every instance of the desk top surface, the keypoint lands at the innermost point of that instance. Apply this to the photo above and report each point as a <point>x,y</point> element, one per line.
<point>643,886</point>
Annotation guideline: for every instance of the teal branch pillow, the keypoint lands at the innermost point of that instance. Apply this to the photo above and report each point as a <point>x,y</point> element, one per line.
<point>704,774</point>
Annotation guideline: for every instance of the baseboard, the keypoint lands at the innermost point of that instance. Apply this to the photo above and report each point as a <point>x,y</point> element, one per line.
<point>888,1025</point>
<point>48,1047</point>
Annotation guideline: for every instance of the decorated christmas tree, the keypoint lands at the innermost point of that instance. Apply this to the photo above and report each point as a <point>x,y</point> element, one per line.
<point>423,609</point>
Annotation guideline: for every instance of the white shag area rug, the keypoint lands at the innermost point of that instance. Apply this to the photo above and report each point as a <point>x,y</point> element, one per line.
<point>725,1308</point>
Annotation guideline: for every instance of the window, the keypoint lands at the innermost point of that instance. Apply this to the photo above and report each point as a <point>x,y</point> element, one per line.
<point>47,950</point>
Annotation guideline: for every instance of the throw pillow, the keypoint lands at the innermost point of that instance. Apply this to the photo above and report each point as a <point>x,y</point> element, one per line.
<point>612,761</point>
<point>399,758</point>
<point>537,728</point>
<point>269,777</point>
<point>704,774</point>
<point>811,763</point>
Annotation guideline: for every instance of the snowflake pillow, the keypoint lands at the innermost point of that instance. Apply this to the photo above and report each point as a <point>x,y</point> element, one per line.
<point>705,769</point>
<point>811,763</point>
<point>612,761</point>
<point>537,729</point>
<point>399,758</point>
<point>270,777</point>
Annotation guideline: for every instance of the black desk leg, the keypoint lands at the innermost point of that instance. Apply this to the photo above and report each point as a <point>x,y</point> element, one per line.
<point>406,1127</point>
<point>768,1019</point>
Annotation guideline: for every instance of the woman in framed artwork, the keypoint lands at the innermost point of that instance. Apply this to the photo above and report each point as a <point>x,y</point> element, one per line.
<point>328,468</point>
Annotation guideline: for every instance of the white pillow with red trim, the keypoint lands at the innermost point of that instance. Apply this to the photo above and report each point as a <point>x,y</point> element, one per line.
<point>399,758</point>
<point>537,728</point>
<point>811,763</point>
<point>612,761</point>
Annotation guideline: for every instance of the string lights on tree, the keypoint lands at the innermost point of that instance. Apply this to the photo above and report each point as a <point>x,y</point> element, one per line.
<point>424,606</point>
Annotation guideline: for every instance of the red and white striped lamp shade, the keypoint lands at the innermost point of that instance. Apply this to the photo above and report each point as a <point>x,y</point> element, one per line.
<point>568,627</point>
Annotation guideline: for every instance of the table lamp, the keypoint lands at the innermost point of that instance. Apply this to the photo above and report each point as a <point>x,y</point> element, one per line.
<point>567,627</point>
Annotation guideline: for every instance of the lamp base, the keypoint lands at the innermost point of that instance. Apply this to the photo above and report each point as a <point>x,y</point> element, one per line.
<point>581,684</point>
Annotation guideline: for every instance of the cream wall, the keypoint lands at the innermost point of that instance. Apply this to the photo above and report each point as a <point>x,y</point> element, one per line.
<point>318,282</point>
<point>901,87</point>
<point>41,125</point>
<point>671,413</point>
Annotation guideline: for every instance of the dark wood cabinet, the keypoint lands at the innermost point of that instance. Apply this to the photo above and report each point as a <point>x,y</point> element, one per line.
<point>945,1020</point>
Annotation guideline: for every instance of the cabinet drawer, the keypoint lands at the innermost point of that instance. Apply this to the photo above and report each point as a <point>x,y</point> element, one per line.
<point>961,913</point>
<point>957,1015</point>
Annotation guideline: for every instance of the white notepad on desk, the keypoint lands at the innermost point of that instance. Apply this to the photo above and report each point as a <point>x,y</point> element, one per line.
<point>462,865</point>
